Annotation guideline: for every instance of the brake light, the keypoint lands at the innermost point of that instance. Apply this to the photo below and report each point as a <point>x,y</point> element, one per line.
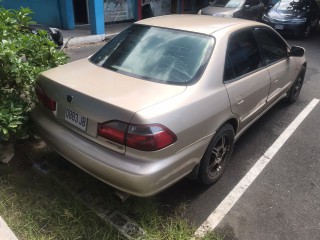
<point>148,137</point>
<point>44,99</point>
<point>113,130</point>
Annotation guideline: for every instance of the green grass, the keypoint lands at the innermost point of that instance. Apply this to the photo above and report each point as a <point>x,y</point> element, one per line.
<point>212,236</point>
<point>64,204</point>
<point>156,224</point>
<point>36,208</point>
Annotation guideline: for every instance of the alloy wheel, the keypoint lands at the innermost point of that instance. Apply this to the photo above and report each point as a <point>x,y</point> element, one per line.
<point>218,156</point>
<point>297,87</point>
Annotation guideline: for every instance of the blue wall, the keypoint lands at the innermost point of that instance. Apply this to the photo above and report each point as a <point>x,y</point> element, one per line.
<point>45,11</point>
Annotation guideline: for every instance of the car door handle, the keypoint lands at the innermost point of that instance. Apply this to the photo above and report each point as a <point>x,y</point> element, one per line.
<point>275,78</point>
<point>240,102</point>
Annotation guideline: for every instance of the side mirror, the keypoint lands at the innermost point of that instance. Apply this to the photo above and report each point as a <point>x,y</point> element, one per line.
<point>296,51</point>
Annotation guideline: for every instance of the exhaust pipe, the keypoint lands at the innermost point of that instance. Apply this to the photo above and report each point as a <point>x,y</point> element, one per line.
<point>122,195</point>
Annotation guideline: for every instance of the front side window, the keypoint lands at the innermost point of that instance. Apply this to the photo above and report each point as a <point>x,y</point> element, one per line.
<point>157,54</point>
<point>243,53</point>
<point>273,47</point>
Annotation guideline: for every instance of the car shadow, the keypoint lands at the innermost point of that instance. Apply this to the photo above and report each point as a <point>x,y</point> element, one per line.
<point>202,200</point>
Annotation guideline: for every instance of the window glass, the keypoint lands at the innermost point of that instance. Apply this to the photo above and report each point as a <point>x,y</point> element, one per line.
<point>228,71</point>
<point>273,47</point>
<point>244,53</point>
<point>116,10</point>
<point>156,54</point>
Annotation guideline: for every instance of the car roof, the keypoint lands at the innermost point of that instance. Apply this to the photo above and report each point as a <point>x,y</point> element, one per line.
<point>196,23</point>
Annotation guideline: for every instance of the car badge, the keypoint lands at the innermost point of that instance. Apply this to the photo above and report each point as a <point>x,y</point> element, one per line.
<point>69,98</point>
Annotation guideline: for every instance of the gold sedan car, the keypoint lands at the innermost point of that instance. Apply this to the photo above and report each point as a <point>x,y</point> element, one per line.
<point>166,98</point>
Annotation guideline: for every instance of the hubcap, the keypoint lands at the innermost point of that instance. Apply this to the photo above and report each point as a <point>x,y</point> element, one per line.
<point>297,87</point>
<point>218,156</point>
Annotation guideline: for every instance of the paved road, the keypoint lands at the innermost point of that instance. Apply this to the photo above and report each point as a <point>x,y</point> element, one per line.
<point>284,201</point>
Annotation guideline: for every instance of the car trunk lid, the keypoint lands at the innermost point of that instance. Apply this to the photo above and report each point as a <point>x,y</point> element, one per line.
<point>99,95</point>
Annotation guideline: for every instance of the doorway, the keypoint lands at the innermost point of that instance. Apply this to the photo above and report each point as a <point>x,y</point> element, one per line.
<point>80,8</point>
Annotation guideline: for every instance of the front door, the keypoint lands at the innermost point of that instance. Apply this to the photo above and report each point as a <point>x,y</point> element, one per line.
<point>279,65</point>
<point>246,80</point>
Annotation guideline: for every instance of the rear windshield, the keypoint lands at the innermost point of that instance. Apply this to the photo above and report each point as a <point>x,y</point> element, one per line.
<point>156,54</point>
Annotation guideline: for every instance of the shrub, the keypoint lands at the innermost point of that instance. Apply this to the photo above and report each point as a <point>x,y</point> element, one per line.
<point>23,55</point>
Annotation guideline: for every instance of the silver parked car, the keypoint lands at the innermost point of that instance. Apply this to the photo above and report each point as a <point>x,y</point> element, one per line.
<point>245,9</point>
<point>166,98</point>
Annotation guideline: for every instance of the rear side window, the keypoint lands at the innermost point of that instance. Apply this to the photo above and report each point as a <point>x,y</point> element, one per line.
<point>273,47</point>
<point>243,53</point>
<point>157,54</point>
<point>228,71</point>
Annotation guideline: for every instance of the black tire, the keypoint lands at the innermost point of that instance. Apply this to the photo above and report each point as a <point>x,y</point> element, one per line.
<point>217,155</point>
<point>295,89</point>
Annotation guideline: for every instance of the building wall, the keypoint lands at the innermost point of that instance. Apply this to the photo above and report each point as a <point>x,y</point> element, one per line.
<point>60,13</point>
<point>45,11</point>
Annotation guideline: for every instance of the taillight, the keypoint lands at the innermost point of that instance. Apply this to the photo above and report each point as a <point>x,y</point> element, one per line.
<point>148,137</point>
<point>113,130</point>
<point>44,99</point>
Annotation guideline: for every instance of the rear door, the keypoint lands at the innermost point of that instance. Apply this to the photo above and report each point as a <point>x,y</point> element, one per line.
<point>246,80</point>
<point>275,57</point>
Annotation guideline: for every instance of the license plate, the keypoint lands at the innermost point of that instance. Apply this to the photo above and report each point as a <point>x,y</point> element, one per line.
<point>278,27</point>
<point>75,119</point>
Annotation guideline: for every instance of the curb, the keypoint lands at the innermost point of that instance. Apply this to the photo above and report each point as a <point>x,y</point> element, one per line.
<point>74,41</point>
<point>5,231</point>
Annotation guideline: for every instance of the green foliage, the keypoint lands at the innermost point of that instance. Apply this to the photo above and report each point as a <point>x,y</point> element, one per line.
<point>23,55</point>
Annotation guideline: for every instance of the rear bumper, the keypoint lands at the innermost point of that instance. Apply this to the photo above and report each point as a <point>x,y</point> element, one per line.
<point>134,176</point>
